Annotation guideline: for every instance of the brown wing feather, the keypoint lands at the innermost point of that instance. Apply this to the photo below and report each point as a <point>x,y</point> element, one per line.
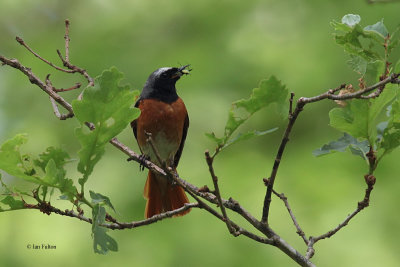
<point>184,133</point>
<point>134,122</point>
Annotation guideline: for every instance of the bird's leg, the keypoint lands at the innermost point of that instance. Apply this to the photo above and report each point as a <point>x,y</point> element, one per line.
<point>142,160</point>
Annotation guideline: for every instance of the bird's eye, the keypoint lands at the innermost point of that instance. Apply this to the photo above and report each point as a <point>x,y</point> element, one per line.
<point>164,75</point>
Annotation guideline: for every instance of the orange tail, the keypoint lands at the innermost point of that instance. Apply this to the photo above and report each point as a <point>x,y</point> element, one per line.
<point>162,196</point>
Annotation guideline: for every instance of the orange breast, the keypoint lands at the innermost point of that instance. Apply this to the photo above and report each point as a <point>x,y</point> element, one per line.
<point>165,123</point>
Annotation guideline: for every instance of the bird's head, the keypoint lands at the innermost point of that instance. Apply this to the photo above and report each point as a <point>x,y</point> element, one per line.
<point>161,83</point>
<point>166,76</point>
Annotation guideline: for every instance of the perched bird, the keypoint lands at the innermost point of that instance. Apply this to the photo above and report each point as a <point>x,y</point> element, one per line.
<point>163,117</point>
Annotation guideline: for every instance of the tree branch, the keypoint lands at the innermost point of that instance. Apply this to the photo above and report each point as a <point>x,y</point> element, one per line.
<point>299,231</point>
<point>21,42</point>
<point>199,195</point>
<point>330,94</point>
<point>35,80</point>
<point>209,161</point>
<point>370,181</point>
<point>285,139</point>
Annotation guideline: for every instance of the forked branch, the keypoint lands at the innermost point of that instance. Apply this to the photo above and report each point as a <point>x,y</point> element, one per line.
<point>265,234</point>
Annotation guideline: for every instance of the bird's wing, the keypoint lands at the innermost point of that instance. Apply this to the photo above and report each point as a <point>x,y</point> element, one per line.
<point>134,122</point>
<point>184,133</point>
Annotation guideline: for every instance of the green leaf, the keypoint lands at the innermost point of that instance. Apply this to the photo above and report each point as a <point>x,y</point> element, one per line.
<point>340,145</point>
<point>350,35</point>
<point>360,117</point>
<point>246,136</point>
<point>232,124</point>
<point>12,203</point>
<point>109,107</point>
<point>351,19</point>
<point>102,242</point>
<point>393,44</point>
<point>55,177</point>
<point>59,156</point>
<point>373,71</point>
<point>15,164</point>
<point>12,162</point>
<point>358,64</point>
<point>379,104</point>
<point>98,198</point>
<point>352,119</point>
<point>397,67</point>
<point>378,28</point>
<point>391,133</point>
<point>269,91</point>
<point>212,137</point>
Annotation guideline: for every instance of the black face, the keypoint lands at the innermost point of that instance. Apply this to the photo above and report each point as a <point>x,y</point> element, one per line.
<point>161,84</point>
<point>164,76</point>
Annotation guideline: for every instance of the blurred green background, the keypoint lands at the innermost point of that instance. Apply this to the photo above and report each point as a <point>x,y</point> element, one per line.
<point>231,45</point>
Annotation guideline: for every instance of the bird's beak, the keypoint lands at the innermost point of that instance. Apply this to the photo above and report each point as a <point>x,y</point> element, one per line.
<point>184,70</point>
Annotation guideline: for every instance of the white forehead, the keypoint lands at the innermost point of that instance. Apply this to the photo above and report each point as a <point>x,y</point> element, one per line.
<point>161,70</point>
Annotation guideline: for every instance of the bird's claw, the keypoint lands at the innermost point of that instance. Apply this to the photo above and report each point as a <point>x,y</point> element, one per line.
<point>142,159</point>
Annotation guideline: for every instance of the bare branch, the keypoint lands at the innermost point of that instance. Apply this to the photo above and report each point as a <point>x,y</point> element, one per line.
<point>21,42</point>
<point>285,139</point>
<point>299,231</point>
<point>67,39</point>
<point>35,80</point>
<point>48,209</point>
<point>330,94</point>
<point>74,69</point>
<point>200,195</point>
<point>54,104</point>
<point>291,103</point>
<point>155,150</point>
<point>76,86</point>
<point>370,181</point>
<point>209,161</point>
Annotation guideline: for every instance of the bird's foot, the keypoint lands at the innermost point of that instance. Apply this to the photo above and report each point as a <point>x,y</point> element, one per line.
<point>143,159</point>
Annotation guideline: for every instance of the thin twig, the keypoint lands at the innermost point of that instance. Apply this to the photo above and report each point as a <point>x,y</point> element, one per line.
<point>285,139</point>
<point>291,103</point>
<point>217,192</point>
<point>273,238</point>
<point>48,209</point>
<point>57,111</point>
<point>310,248</point>
<point>74,69</point>
<point>54,104</point>
<point>329,94</point>
<point>360,206</point>
<point>21,42</point>
<point>35,80</point>
<point>76,86</point>
<point>66,61</point>
<point>370,181</point>
<point>67,39</point>
<point>299,231</point>
<point>149,140</point>
<point>292,119</point>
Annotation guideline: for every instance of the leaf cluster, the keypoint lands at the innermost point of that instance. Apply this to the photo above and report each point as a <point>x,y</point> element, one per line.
<point>269,91</point>
<point>107,108</point>
<point>368,124</point>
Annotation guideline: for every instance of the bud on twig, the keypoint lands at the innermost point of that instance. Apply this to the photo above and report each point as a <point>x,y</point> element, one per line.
<point>370,179</point>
